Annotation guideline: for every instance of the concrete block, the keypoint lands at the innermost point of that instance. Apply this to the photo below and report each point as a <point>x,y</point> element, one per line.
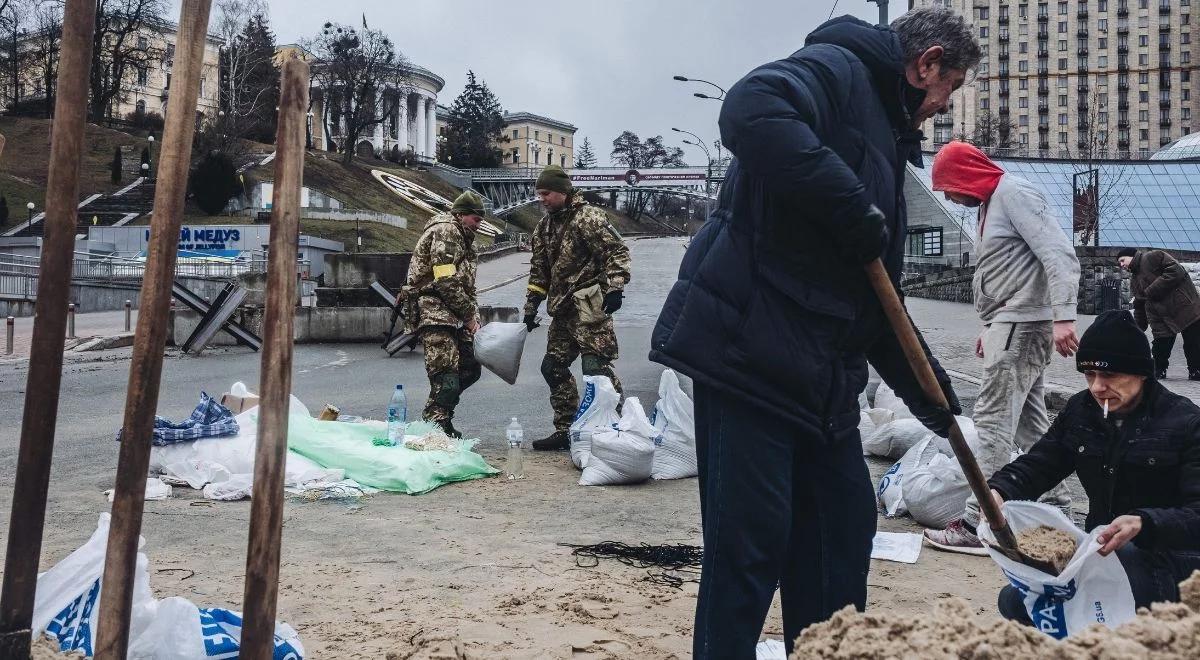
<point>122,340</point>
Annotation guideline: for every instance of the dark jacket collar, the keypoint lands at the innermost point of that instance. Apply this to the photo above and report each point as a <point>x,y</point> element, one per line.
<point>1136,264</point>
<point>879,49</point>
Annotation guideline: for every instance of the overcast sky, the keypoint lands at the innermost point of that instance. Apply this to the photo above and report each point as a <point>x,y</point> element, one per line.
<point>603,66</point>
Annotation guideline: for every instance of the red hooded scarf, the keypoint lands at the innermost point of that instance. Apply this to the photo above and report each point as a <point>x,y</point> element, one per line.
<point>963,169</point>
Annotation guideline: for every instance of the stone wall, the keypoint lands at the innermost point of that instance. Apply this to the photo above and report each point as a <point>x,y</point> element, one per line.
<point>1096,265</point>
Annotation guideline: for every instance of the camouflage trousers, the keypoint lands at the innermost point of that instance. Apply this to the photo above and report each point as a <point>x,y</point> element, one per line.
<point>451,366</point>
<point>567,340</point>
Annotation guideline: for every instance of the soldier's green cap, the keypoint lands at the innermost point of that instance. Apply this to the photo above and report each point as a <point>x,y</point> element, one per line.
<point>468,202</point>
<point>554,178</point>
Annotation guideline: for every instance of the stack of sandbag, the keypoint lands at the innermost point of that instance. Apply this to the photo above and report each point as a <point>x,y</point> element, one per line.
<point>927,482</point>
<point>624,455</point>
<point>890,493</point>
<point>936,493</point>
<point>893,438</point>
<point>673,417</point>
<point>597,412</point>
<point>887,399</point>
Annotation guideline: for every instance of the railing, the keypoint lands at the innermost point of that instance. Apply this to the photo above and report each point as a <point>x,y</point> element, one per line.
<point>111,268</point>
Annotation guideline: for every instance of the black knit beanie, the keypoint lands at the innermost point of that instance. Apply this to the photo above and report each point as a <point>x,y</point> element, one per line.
<point>554,178</point>
<point>1114,343</point>
<point>1126,252</point>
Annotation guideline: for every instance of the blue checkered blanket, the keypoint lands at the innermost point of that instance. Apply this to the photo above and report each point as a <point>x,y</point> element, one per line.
<point>209,420</point>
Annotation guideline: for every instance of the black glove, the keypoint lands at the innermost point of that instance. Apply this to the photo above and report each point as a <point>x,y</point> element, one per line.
<point>871,239</point>
<point>612,301</point>
<point>934,417</point>
<point>530,322</point>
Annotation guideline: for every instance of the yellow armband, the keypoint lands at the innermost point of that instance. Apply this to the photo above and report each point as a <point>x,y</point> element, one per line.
<point>446,270</point>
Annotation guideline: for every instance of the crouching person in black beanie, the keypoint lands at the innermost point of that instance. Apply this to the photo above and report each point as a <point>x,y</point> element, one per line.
<point>1139,464</point>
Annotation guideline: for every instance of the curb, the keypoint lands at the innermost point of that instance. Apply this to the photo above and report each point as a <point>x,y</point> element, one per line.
<point>1056,395</point>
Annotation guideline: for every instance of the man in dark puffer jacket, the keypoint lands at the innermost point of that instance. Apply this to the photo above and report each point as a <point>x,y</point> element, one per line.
<point>775,321</point>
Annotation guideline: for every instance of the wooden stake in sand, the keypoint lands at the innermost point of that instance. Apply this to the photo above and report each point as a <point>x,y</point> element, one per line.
<point>49,329</point>
<point>275,376</point>
<point>150,338</point>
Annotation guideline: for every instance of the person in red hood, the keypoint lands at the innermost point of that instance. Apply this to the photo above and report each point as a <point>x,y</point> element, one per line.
<point>1025,284</point>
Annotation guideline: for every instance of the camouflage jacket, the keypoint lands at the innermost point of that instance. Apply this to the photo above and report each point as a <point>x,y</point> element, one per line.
<point>573,249</point>
<point>442,273</point>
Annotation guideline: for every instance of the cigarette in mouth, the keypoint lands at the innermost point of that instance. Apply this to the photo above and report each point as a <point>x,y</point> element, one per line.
<point>1106,409</point>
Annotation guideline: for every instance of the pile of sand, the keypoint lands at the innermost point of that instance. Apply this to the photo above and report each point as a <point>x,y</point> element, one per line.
<point>44,649</point>
<point>954,632</point>
<point>1047,544</point>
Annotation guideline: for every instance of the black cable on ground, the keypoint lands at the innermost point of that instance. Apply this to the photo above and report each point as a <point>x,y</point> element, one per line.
<point>677,558</point>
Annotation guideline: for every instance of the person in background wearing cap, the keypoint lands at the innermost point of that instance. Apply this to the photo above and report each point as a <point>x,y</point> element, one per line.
<point>1164,300</point>
<point>442,276</point>
<point>580,267</point>
<point>1026,282</point>
<point>1140,464</point>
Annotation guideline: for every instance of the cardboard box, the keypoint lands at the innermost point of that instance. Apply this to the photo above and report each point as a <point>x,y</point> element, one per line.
<point>238,404</point>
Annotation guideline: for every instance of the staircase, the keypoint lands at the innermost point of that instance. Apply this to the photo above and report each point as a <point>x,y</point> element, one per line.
<point>117,209</point>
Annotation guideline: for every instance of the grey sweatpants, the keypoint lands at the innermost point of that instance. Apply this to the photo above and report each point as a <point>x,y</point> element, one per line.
<point>1010,412</point>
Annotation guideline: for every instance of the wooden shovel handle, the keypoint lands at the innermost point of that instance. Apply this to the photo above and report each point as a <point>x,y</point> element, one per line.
<point>902,326</point>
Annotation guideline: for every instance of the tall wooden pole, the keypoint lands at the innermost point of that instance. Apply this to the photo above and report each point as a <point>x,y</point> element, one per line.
<point>141,401</point>
<point>49,329</point>
<point>266,508</point>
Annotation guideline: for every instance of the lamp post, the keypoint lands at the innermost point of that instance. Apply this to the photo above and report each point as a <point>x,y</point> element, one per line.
<point>30,206</point>
<point>701,95</point>
<point>534,150</point>
<point>707,156</point>
<point>308,123</point>
<point>883,11</point>
<point>150,139</point>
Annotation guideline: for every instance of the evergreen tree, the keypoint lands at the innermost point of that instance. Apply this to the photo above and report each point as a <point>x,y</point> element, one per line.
<point>214,181</point>
<point>585,158</point>
<point>475,127</point>
<point>250,81</point>
<point>3,210</point>
<point>116,166</point>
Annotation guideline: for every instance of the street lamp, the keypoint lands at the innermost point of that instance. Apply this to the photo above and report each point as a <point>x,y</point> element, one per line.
<point>30,206</point>
<point>308,130</point>
<point>151,140</point>
<point>701,95</point>
<point>534,150</point>
<point>707,156</point>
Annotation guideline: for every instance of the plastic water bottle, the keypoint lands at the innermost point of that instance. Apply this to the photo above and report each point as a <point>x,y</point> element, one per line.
<point>397,417</point>
<point>515,466</point>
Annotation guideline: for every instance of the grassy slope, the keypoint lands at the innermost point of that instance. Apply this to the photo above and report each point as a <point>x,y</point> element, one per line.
<point>25,162</point>
<point>527,218</point>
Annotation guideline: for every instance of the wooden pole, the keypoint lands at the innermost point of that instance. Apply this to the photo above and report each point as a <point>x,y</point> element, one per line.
<point>911,345</point>
<point>150,338</point>
<point>266,508</point>
<point>49,328</point>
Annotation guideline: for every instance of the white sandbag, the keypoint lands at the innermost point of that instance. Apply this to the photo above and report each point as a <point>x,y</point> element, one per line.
<point>597,412</point>
<point>237,487</point>
<point>887,399</point>
<point>624,455</point>
<point>66,609</point>
<point>967,425</point>
<point>498,346</point>
<point>863,404</point>
<point>890,493</point>
<point>935,494</point>
<point>675,450</point>
<point>156,489</point>
<point>880,416</point>
<point>1091,589</point>
<point>866,426</point>
<point>893,439</point>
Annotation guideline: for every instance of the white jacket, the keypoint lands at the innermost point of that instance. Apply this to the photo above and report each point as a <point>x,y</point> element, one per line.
<point>1027,269</point>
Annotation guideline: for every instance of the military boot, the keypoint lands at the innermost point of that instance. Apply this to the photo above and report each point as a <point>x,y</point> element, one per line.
<point>447,426</point>
<point>557,441</point>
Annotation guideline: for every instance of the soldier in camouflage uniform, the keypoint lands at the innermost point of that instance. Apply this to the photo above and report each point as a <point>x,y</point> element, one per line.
<point>580,267</point>
<point>441,278</point>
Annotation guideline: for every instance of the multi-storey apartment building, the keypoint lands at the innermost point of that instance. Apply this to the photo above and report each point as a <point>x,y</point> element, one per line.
<point>1071,78</point>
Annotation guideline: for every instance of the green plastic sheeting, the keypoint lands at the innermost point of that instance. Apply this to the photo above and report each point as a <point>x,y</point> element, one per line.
<point>398,469</point>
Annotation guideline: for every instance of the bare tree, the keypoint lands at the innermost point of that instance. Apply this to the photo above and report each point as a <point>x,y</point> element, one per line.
<point>632,152</point>
<point>40,56</point>
<point>121,49</point>
<point>360,75</point>
<point>993,133</point>
<point>249,89</point>
<point>1108,199</point>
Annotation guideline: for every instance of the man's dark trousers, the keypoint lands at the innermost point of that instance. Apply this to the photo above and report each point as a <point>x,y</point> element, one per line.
<point>781,505</point>
<point>1162,347</point>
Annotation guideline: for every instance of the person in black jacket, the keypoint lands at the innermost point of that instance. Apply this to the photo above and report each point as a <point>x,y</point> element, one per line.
<point>1140,465</point>
<point>774,320</point>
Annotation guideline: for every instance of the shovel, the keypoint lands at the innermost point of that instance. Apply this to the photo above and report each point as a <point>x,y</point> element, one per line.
<point>1006,542</point>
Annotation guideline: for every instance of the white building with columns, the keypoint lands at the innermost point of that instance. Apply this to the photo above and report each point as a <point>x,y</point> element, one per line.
<point>411,124</point>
